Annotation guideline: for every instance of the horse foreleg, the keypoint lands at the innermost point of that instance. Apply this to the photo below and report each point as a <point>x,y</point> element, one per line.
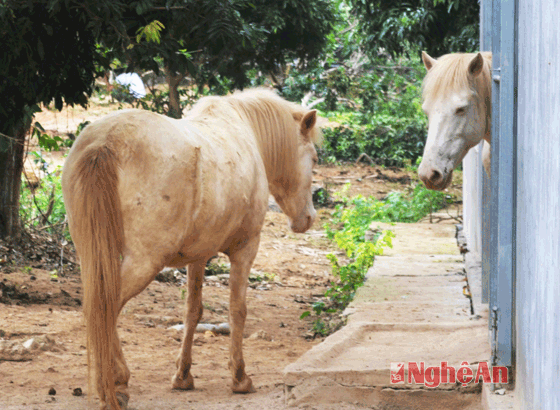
<point>241,263</point>
<point>183,379</point>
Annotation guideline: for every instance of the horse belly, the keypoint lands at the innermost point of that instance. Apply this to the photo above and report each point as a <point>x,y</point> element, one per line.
<point>229,222</point>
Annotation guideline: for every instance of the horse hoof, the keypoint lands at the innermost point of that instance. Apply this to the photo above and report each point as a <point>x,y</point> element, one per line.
<point>122,399</point>
<point>244,386</point>
<point>183,384</point>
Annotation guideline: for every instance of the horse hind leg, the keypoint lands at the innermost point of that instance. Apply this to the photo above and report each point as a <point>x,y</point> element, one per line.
<point>183,379</point>
<point>121,376</point>
<point>137,274</point>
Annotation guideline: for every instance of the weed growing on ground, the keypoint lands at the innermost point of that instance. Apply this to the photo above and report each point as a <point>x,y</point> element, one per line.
<point>349,229</point>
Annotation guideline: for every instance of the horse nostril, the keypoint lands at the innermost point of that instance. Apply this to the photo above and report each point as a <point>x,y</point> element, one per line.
<point>435,176</point>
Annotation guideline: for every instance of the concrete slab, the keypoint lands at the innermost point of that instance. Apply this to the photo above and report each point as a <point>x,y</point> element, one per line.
<point>356,363</point>
<point>420,238</point>
<point>406,312</point>
<point>362,355</point>
<point>425,265</point>
<point>446,290</point>
<point>324,391</point>
<point>412,308</point>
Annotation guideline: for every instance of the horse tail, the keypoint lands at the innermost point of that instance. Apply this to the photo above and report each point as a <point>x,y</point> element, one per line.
<point>100,237</point>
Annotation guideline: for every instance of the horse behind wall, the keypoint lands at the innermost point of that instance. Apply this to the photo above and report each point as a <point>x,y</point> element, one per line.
<point>144,191</point>
<point>457,95</point>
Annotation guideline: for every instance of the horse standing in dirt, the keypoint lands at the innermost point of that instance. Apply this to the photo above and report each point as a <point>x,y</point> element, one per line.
<point>144,191</point>
<point>457,94</point>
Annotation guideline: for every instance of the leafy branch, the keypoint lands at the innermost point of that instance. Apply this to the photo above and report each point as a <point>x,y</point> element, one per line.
<point>152,32</point>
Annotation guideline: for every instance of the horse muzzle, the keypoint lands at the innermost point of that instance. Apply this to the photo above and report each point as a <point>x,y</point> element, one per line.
<point>302,224</point>
<point>435,179</point>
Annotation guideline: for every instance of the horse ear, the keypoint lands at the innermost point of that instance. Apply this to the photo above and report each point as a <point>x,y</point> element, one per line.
<point>308,121</point>
<point>428,61</point>
<point>476,64</point>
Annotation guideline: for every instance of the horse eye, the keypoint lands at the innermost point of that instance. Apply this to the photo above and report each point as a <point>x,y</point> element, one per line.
<point>460,111</point>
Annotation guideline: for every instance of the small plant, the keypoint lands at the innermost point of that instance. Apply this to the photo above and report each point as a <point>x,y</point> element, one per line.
<point>41,205</point>
<point>413,206</point>
<point>46,142</point>
<point>348,229</point>
<point>44,205</point>
<point>213,268</point>
<point>262,277</point>
<point>321,196</point>
<point>27,269</point>
<point>320,327</point>
<point>360,252</point>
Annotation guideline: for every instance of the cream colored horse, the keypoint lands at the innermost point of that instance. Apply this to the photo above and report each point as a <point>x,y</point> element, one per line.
<point>457,100</point>
<point>144,191</point>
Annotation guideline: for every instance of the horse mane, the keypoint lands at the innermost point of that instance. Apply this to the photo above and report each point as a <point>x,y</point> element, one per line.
<point>274,122</point>
<point>450,74</point>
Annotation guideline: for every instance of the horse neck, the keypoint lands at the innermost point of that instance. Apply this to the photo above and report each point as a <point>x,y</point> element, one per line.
<point>278,150</point>
<point>269,123</point>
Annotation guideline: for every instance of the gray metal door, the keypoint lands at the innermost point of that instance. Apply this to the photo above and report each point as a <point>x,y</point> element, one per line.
<point>499,238</point>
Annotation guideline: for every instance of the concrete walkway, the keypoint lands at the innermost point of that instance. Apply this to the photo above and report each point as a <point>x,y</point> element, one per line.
<point>412,308</point>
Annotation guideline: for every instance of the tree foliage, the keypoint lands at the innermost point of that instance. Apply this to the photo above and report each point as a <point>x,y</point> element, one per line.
<point>48,53</point>
<point>52,50</point>
<point>436,26</point>
<point>211,40</point>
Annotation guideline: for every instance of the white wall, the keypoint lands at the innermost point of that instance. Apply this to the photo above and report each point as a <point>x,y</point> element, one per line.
<point>538,206</point>
<point>472,198</point>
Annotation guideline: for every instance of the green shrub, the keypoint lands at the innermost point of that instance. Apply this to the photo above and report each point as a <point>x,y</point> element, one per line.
<point>348,229</point>
<point>350,223</point>
<point>42,205</point>
<point>411,207</point>
<point>387,124</point>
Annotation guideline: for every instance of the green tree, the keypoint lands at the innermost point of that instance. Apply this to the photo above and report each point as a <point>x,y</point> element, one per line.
<point>53,50</point>
<point>209,40</point>
<point>436,26</point>
<point>48,53</point>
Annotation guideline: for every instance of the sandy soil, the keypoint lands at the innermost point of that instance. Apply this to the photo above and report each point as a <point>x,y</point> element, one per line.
<point>297,273</point>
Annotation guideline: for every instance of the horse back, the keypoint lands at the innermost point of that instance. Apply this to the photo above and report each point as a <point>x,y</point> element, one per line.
<point>185,188</point>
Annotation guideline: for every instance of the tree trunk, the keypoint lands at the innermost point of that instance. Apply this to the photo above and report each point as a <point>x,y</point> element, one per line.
<point>11,166</point>
<point>173,80</point>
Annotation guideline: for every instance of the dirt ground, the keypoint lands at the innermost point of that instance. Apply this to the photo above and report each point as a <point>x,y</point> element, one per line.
<point>34,304</point>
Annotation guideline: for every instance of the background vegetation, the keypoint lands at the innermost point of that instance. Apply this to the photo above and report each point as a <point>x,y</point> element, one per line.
<point>355,61</point>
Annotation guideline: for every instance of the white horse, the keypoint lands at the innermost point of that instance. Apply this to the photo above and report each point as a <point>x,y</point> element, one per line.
<point>144,191</point>
<point>457,94</point>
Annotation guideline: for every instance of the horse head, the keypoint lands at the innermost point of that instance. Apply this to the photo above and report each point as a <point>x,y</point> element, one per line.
<point>295,198</point>
<point>457,102</point>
